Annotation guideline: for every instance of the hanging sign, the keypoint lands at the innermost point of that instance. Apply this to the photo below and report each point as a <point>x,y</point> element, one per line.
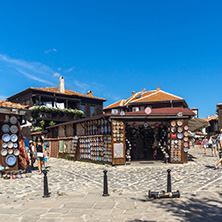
<point>148,110</point>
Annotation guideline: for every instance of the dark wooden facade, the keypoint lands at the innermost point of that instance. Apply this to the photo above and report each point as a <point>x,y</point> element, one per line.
<point>37,97</point>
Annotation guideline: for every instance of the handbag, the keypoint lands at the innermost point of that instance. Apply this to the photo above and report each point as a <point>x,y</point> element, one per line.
<point>39,154</point>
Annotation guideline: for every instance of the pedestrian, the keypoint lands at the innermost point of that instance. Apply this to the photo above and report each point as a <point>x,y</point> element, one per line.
<point>40,150</point>
<point>214,146</point>
<point>45,157</point>
<point>32,157</point>
<point>26,144</point>
<point>219,147</point>
<point>205,144</point>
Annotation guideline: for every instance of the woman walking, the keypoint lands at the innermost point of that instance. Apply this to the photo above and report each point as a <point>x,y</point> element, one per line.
<point>214,146</point>
<point>40,150</point>
<point>32,148</point>
<point>205,144</point>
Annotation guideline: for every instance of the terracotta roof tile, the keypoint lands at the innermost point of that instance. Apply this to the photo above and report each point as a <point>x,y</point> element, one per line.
<point>215,117</point>
<point>67,92</point>
<point>11,105</point>
<point>147,96</point>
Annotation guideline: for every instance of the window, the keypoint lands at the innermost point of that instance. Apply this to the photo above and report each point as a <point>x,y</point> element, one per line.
<point>135,109</point>
<point>92,111</point>
<point>83,108</point>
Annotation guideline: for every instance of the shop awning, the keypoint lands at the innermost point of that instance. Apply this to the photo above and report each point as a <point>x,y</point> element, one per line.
<point>196,124</point>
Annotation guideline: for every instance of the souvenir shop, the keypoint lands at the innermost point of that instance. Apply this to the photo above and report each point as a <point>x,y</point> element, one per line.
<point>10,136</point>
<point>117,139</point>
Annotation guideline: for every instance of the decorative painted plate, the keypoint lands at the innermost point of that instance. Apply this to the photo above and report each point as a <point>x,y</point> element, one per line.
<point>105,130</point>
<point>10,145</point>
<point>176,141</point>
<point>10,151</point>
<point>13,120</point>
<point>186,127</point>
<point>180,129</point>
<point>14,129</point>
<point>4,152</point>
<point>186,144</point>
<point>156,125</point>
<point>4,145</point>
<point>145,124</point>
<point>186,134</point>
<point>172,142</point>
<point>6,138</point>
<point>121,123</point>
<point>114,123</point>
<point>179,136</point>
<point>173,129</point>
<point>186,138</point>
<point>173,123</point>
<point>5,128</point>
<point>14,137</point>
<point>179,123</point>
<point>174,135</point>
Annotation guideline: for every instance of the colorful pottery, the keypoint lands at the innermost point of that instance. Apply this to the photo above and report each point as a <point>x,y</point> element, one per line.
<point>6,138</point>
<point>13,120</point>
<point>5,128</point>
<point>173,123</point>
<point>10,160</point>
<point>179,123</point>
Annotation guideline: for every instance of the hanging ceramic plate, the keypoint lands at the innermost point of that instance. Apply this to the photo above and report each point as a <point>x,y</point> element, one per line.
<point>5,128</point>
<point>14,137</point>
<point>13,120</point>
<point>186,127</point>
<point>173,129</point>
<point>106,129</point>
<point>6,138</point>
<point>186,139</point>
<point>4,152</point>
<point>186,134</point>
<point>174,135</point>
<point>179,136</point>
<point>179,123</point>
<point>180,129</point>
<point>114,123</point>
<point>176,141</point>
<point>4,145</point>
<point>173,123</point>
<point>172,142</point>
<point>10,160</point>
<point>186,144</point>
<point>10,145</point>
<point>114,135</point>
<point>10,151</point>
<point>121,123</point>
<point>14,129</point>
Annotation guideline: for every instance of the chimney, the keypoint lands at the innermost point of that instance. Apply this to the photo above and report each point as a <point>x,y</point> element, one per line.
<point>61,85</point>
<point>143,90</point>
<point>89,93</point>
<point>133,93</point>
<point>158,88</point>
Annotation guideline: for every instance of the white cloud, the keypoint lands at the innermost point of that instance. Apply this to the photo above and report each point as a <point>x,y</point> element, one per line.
<point>50,50</point>
<point>69,70</point>
<point>56,74</point>
<point>34,77</point>
<point>32,70</point>
<point>59,69</point>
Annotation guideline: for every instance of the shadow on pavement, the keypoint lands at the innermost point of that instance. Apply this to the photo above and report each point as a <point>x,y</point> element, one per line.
<point>191,157</point>
<point>192,209</point>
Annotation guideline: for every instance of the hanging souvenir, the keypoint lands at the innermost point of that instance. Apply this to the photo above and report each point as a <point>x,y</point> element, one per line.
<point>6,138</point>
<point>6,119</point>
<point>145,125</point>
<point>4,152</point>
<point>186,144</point>
<point>156,125</point>
<point>5,128</point>
<point>4,145</point>
<point>179,123</point>
<point>185,133</point>
<point>10,151</point>
<point>10,160</point>
<point>180,136</point>
<point>180,129</point>
<point>186,127</point>
<point>10,145</point>
<point>13,120</point>
<point>186,138</point>
<point>173,123</point>
<point>114,123</point>
<point>174,135</point>
<point>173,129</point>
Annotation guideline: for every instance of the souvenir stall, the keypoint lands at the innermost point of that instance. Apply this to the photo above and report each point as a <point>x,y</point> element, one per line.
<point>11,115</point>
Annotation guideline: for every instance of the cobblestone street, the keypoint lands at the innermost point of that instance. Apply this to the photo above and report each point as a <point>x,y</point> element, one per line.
<point>76,192</point>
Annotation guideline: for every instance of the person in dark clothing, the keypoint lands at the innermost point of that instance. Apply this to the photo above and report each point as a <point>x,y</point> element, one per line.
<point>39,149</point>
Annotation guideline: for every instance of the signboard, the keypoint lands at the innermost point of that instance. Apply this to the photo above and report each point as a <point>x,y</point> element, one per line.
<point>148,110</point>
<point>118,150</point>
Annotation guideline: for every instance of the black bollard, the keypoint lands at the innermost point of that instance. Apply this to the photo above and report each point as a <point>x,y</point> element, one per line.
<point>105,184</point>
<point>46,190</point>
<point>168,181</point>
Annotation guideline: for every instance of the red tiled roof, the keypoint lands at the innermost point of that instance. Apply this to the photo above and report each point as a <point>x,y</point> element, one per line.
<point>165,111</point>
<point>11,105</point>
<point>147,96</point>
<point>67,92</point>
<point>215,117</point>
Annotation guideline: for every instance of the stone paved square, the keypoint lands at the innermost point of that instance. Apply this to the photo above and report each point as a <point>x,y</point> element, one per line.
<point>76,192</point>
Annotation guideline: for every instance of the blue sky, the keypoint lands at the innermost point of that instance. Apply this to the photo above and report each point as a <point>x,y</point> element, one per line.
<point>114,47</point>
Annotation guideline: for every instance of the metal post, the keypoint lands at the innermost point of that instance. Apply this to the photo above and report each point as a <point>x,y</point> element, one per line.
<point>105,184</point>
<point>46,190</point>
<point>168,181</point>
